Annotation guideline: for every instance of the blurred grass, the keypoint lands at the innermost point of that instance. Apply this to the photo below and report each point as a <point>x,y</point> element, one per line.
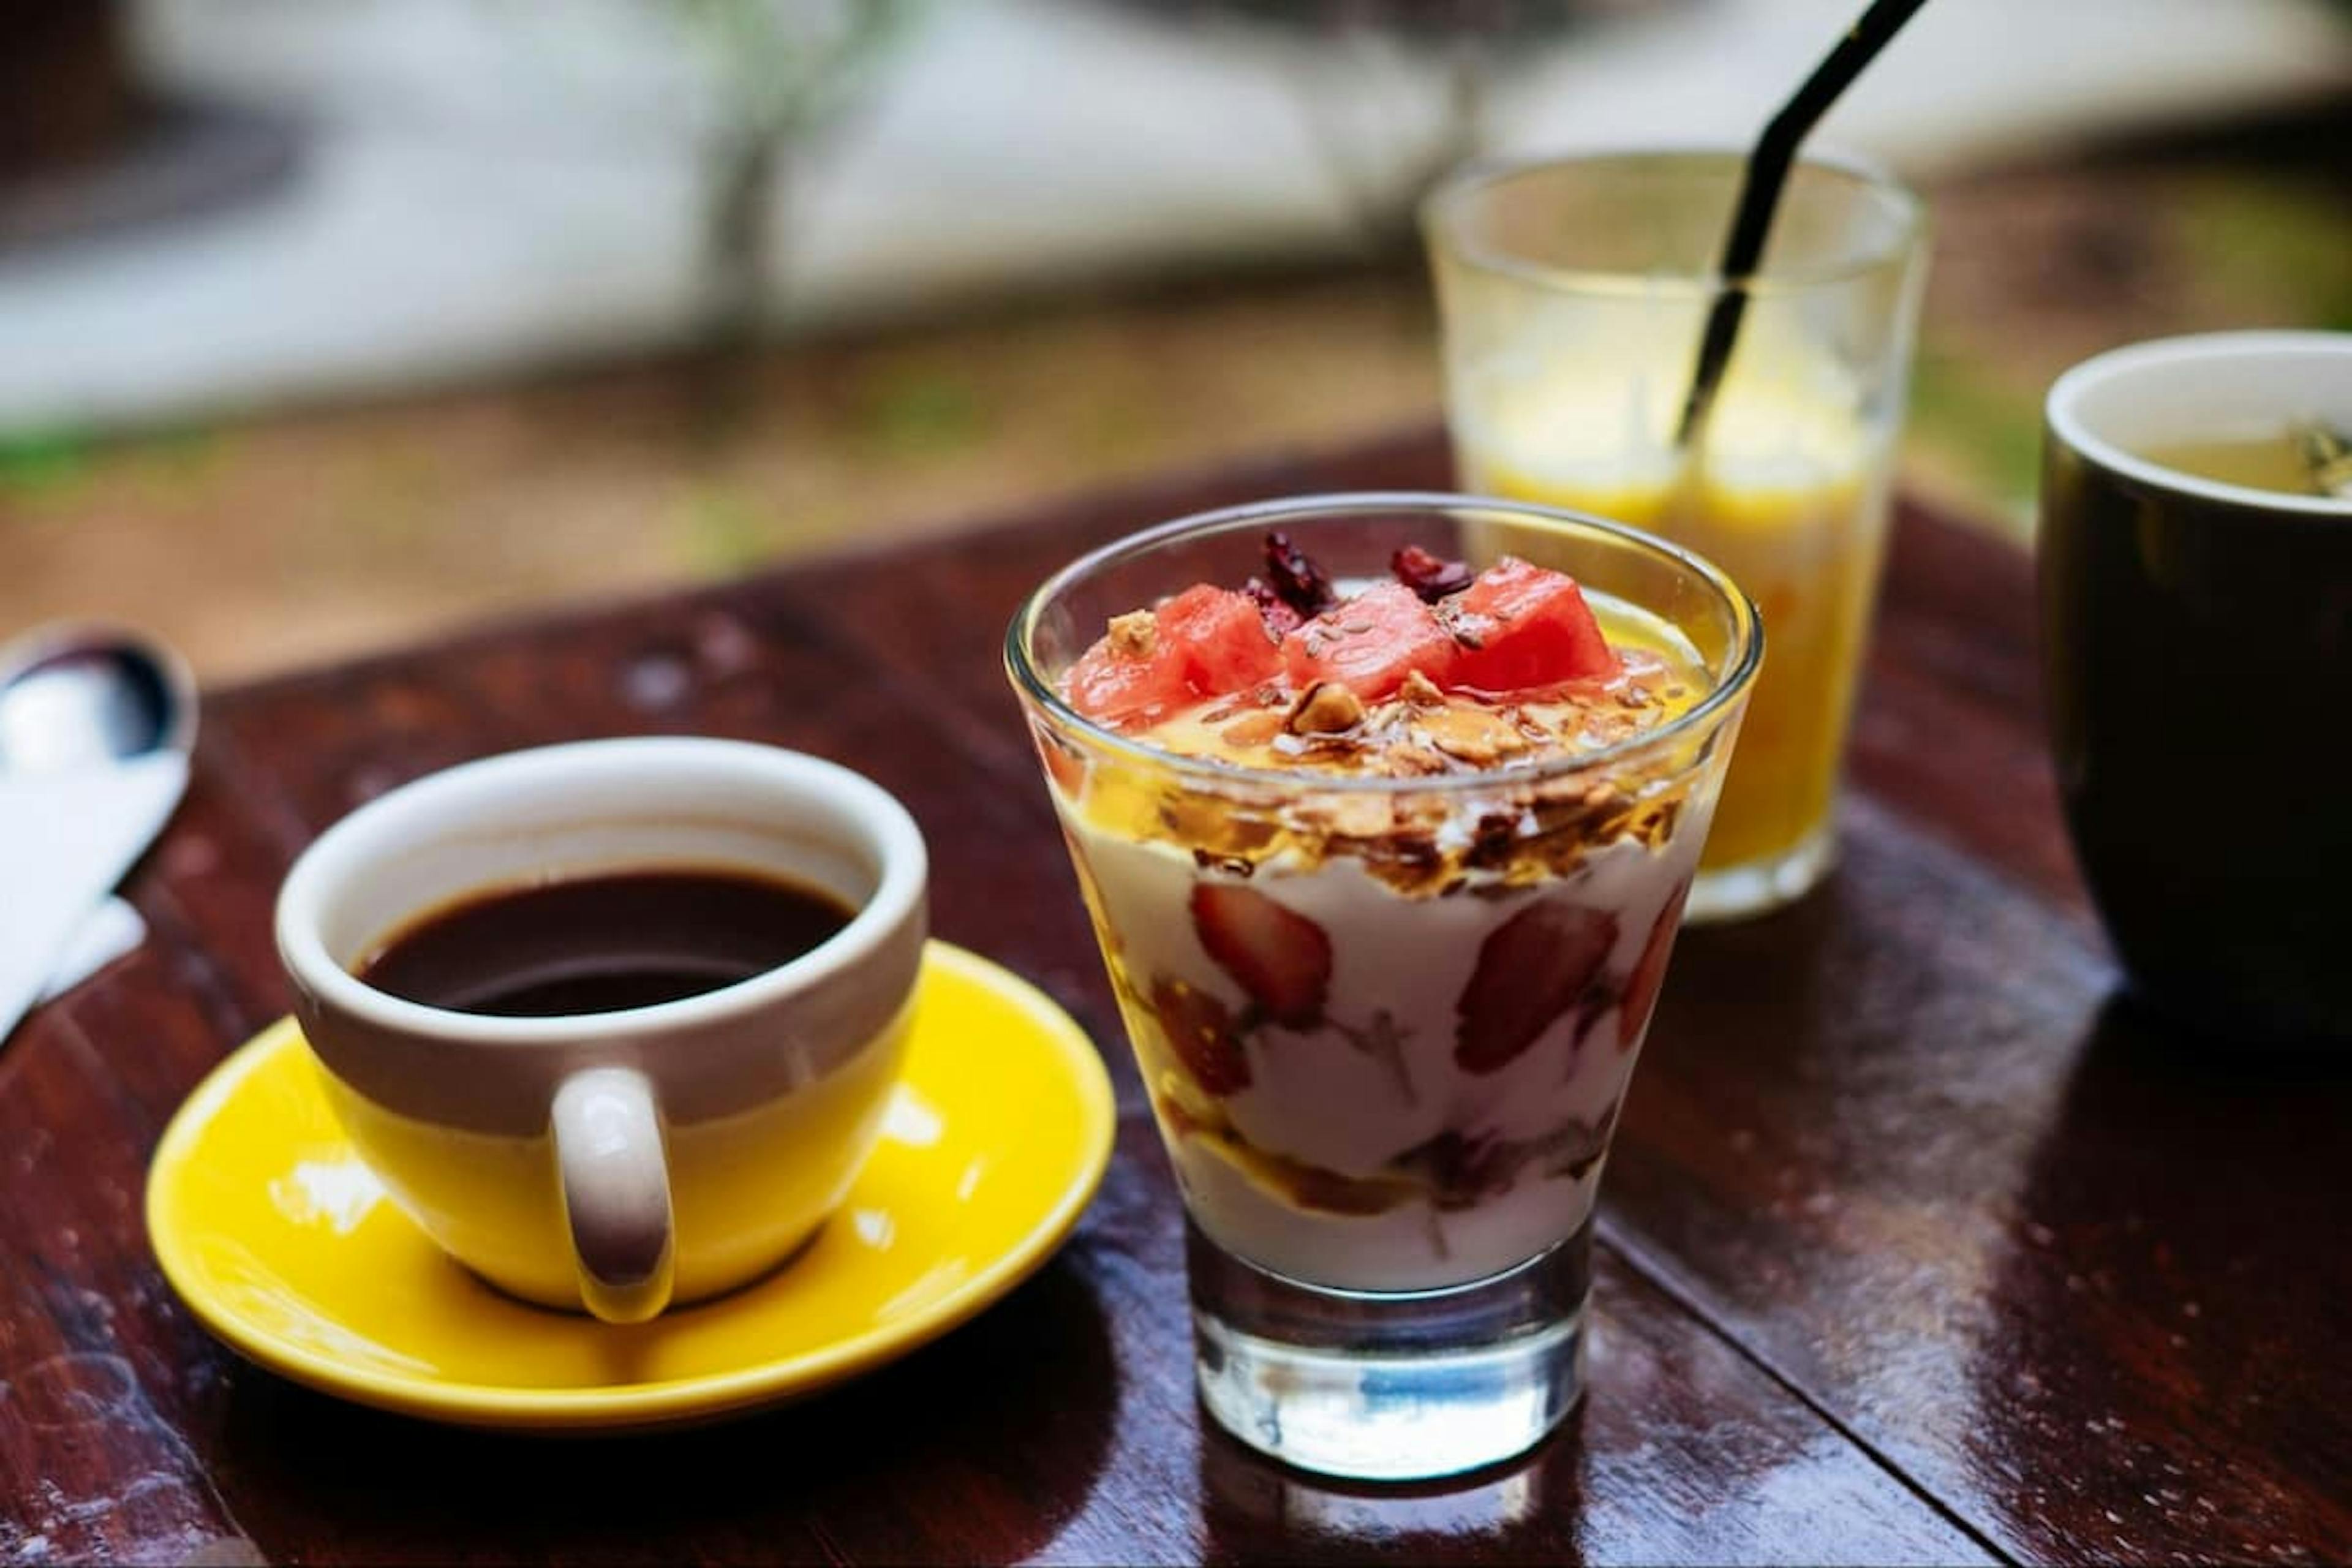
<point>1980,426</point>
<point>2281,243</point>
<point>44,472</point>
<point>918,413</point>
<point>43,465</point>
<point>723,531</point>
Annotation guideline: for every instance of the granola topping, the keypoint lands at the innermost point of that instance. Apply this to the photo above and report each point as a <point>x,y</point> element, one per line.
<point>1422,730</point>
<point>1522,829</point>
<point>1325,709</point>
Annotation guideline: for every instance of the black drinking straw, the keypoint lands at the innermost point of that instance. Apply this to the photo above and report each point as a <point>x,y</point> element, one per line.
<point>1760,192</point>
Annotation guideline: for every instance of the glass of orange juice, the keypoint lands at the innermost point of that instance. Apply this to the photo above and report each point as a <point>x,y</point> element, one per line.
<point>1573,292</point>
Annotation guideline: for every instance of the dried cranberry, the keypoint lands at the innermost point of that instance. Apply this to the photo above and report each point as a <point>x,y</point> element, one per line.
<point>1427,576</point>
<point>1280,619</point>
<point>1295,578</point>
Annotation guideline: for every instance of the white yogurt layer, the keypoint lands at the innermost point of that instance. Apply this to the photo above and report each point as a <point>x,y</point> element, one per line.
<point>1378,1075</point>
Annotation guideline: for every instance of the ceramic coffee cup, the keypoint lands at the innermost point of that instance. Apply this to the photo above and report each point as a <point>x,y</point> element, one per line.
<point>2196,658</point>
<point>616,1161</point>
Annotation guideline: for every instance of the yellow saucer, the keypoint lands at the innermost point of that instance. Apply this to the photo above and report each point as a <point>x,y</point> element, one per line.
<point>285,1246</point>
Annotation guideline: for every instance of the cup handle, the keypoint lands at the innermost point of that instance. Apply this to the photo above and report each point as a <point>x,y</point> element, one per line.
<point>616,1181</point>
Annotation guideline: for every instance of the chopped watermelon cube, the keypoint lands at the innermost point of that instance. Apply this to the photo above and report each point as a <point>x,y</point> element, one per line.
<point>1371,643</point>
<point>1221,638</point>
<point>1523,627</point>
<point>1206,642</point>
<point>1113,686</point>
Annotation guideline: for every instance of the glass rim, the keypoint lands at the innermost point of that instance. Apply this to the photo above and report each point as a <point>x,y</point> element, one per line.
<point>1444,230</point>
<point>1742,661</point>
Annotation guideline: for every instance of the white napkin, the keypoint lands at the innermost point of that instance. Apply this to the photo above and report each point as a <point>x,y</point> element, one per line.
<point>110,931</point>
<point>66,839</point>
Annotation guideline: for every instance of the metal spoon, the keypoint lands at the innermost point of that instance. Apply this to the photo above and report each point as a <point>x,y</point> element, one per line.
<point>79,694</point>
<point>96,722</point>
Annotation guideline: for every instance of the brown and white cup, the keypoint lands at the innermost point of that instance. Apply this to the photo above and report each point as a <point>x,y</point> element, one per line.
<point>2197,661</point>
<point>616,1161</point>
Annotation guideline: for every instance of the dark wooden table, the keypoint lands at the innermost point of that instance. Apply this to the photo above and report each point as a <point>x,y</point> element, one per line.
<point>1917,1243</point>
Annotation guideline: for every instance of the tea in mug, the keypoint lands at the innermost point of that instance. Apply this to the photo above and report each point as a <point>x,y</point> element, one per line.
<point>2277,463</point>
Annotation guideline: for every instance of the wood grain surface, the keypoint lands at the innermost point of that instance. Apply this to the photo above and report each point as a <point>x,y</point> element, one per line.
<point>1918,1243</point>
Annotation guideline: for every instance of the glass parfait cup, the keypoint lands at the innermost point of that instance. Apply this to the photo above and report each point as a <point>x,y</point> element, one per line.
<point>1573,293</point>
<point>1386,1025</point>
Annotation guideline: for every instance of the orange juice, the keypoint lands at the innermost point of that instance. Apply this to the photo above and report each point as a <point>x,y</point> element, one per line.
<point>1788,495</point>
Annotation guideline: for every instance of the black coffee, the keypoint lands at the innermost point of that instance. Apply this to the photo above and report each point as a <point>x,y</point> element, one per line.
<point>601,944</point>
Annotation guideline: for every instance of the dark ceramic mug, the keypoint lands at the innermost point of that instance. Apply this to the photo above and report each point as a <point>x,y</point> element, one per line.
<point>2197,661</point>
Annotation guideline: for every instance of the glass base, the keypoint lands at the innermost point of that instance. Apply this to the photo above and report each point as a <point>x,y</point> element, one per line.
<point>1391,1387</point>
<point>1759,887</point>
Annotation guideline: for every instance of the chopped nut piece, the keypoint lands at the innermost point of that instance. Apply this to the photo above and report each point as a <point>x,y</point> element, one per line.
<point>1474,734</point>
<point>1420,691</point>
<point>1492,839</point>
<point>1255,728</point>
<point>1326,709</point>
<point>1412,761</point>
<point>1359,816</point>
<point>1231,865</point>
<point>1135,634</point>
<point>1469,630</point>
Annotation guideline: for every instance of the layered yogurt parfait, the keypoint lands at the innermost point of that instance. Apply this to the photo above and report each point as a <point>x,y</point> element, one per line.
<point>1386,846</point>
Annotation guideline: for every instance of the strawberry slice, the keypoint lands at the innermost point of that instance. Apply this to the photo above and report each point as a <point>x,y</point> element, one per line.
<point>1531,968</point>
<point>1650,971</point>
<point>1371,643</point>
<point>1523,627</point>
<point>1277,955</point>
<point>1199,1034</point>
